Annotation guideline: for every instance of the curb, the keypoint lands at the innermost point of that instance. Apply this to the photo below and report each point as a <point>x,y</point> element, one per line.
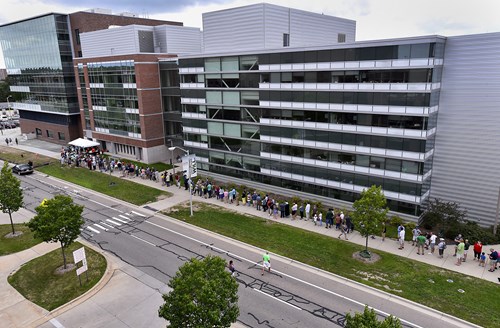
<point>108,274</point>
<point>369,289</point>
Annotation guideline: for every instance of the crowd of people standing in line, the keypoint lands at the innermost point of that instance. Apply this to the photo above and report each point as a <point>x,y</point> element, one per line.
<point>279,210</point>
<point>429,241</point>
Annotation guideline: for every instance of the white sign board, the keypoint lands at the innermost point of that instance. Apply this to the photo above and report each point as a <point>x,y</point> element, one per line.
<point>79,255</point>
<point>185,165</point>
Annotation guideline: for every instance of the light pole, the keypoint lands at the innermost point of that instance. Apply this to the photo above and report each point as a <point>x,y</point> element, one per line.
<point>171,148</point>
<point>189,176</point>
<point>8,102</point>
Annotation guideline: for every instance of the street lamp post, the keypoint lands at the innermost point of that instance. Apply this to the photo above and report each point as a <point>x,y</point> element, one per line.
<point>8,102</point>
<point>189,176</point>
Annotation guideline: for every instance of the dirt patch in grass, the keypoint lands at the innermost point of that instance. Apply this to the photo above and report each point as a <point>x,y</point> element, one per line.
<point>372,259</point>
<point>13,235</point>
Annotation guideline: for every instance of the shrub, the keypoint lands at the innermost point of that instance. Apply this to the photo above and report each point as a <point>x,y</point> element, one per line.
<point>396,220</point>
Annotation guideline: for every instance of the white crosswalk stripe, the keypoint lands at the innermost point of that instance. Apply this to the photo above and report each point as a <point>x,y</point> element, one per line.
<point>138,214</point>
<point>94,230</point>
<point>113,222</point>
<point>100,227</point>
<point>124,217</point>
<point>105,224</point>
<point>117,219</point>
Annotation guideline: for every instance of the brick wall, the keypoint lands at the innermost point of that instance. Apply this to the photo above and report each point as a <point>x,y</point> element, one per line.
<point>71,132</point>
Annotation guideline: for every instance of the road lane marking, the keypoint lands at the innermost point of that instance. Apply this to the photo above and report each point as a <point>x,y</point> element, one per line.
<point>107,225</point>
<point>92,229</point>
<point>147,242</point>
<point>119,220</point>
<point>138,214</point>
<point>99,226</point>
<point>283,274</point>
<point>56,323</point>
<point>113,222</point>
<point>124,217</point>
<point>127,214</point>
<point>277,299</point>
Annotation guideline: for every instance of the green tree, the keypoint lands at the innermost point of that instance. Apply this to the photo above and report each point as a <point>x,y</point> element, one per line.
<point>58,220</point>
<point>368,319</point>
<point>369,211</point>
<point>4,91</point>
<point>443,215</point>
<point>203,295</point>
<point>11,195</point>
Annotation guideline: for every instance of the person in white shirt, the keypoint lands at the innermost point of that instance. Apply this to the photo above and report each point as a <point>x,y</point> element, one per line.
<point>308,211</point>
<point>294,210</point>
<point>432,242</point>
<point>402,238</point>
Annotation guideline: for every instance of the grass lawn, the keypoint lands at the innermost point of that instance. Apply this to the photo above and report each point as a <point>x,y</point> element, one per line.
<point>17,156</point>
<point>37,281</point>
<point>120,188</point>
<point>17,244</point>
<point>392,273</point>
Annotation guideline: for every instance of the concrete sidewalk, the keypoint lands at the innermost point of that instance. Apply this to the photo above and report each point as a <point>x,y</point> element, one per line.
<point>470,267</point>
<point>15,311</point>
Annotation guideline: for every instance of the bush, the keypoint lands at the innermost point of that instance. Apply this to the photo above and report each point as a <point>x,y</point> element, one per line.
<point>409,226</point>
<point>396,220</point>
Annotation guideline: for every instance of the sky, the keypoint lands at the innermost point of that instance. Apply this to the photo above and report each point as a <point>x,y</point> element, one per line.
<point>375,19</point>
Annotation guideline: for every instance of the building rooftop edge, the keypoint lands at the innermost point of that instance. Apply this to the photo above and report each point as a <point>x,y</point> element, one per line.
<point>356,44</point>
<point>33,17</point>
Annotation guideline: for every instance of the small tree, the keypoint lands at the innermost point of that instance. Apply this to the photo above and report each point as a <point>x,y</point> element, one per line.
<point>58,220</point>
<point>368,319</point>
<point>11,195</point>
<point>203,295</point>
<point>369,211</point>
<point>441,214</point>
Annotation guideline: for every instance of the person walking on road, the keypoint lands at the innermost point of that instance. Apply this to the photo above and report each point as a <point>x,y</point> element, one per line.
<point>266,262</point>
<point>231,268</point>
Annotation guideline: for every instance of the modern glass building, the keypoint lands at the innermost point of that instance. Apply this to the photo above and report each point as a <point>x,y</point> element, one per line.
<point>329,121</point>
<point>39,54</point>
<point>38,58</point>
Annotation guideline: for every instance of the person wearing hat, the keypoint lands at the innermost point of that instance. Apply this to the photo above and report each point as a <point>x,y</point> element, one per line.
<point>441,247</point>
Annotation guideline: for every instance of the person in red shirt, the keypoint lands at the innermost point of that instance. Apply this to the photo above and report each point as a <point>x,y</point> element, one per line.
<point>478,248</point>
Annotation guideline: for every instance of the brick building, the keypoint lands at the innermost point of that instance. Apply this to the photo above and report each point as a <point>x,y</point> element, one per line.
<point>39,54</point>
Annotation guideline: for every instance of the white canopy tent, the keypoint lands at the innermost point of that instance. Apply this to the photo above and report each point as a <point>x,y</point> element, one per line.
<point>83,143</point>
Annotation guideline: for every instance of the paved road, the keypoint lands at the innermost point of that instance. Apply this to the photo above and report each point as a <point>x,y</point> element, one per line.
<point>293,295</point>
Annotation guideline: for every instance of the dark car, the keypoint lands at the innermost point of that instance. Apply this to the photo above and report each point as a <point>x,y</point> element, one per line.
<point>22,169</point>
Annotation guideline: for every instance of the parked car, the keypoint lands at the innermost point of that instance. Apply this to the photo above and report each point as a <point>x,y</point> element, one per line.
<point>22,169</point>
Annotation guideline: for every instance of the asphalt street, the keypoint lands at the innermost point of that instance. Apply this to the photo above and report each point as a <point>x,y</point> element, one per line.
<point>292,295</point>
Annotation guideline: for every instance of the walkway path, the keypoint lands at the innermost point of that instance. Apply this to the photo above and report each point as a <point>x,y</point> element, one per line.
<point>180,195</point>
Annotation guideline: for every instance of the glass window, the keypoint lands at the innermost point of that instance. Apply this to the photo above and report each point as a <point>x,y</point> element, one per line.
<point>215,128</point>
<point>214,97</point>
<point>61,135</point>
<point>232,130</point>
<point>420,50</point>
<point>410,167</point>
<point>286,39</point>
<point>230,64</point>
<point>393,164</point>
<point>231,98</point>
<point>404,51</point>
<point>212,65</point>
<point>249,63</point>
